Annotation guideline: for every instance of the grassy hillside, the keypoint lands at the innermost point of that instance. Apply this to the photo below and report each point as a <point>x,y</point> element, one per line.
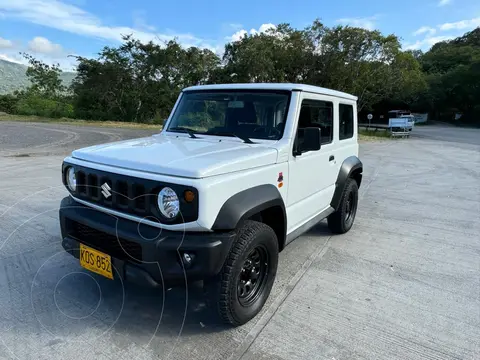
<point>12,77</point>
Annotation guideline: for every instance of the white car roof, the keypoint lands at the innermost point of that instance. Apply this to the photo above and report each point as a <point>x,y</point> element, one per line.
<point>274,86</point>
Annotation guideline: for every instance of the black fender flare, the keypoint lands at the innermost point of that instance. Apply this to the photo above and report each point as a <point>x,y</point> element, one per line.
<point>351,167</point>
<point>247,203</point>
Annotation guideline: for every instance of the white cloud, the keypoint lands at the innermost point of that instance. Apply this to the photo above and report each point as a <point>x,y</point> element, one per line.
<point>367,23</point>
<point>42,45</point>
<point>238,35</point>
<point>42,49</point>
<point>427,43</point>
<point>444,2</point>
<point>58,15</point>
<point>263,28</point>
<point>425,30</point>
<point>140,22</point>
<point>452,30</point>
<point>5,44</point>
<point>241,33</point>
<point>469,24</point>
<point>66,63</point>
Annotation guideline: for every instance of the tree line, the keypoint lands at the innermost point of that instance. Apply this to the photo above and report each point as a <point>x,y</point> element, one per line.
<point>139,82</point>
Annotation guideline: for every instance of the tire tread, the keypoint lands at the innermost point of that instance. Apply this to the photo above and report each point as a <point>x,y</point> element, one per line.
<point>336,221</point>
<point>246,234</point>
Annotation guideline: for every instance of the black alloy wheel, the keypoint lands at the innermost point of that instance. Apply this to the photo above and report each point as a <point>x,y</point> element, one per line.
<point>251,279</point>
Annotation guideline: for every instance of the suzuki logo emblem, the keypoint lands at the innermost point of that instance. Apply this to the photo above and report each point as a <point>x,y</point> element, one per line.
<point>106,191</point>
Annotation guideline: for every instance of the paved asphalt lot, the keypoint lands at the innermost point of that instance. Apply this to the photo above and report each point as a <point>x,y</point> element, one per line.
<point>403,284</point>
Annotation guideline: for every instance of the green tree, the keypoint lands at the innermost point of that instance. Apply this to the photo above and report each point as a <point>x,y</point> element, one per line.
<point>358,61</point>
<point>140,81</point>
<point>282,54</point>
<point>408,80</point>
<point>137,81</point>
<point>45,78</point>
<point>452,70</point>
<point>355,60</point>
<point>47,95</point>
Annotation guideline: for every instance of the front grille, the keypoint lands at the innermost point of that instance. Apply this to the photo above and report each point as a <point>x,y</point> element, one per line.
<point>109,244</point>
<point>130,195</point>
<point>126,196</point>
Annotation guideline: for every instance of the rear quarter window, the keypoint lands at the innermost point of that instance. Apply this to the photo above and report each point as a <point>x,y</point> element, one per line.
<point>346,126</point>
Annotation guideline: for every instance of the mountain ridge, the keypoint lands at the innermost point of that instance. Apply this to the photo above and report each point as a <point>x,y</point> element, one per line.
<point>13,77</point>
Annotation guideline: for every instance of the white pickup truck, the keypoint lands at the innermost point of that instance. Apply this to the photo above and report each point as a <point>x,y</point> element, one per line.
<point>401,120</point>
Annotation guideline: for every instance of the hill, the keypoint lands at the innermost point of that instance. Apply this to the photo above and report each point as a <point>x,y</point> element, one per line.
<point>12,77</point>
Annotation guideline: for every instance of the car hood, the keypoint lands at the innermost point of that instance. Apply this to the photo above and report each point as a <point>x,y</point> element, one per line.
<point>180,156</point>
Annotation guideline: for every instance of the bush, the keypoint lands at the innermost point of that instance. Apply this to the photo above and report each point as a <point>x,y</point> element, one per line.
<point>8,103</point>
<point>383,133</point>
<point>36,105</point>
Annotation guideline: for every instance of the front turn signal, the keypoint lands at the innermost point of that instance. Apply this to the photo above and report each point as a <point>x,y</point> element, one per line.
<point>189,196</point>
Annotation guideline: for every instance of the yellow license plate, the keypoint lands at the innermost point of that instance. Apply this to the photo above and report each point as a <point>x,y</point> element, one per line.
<point>96,261</point>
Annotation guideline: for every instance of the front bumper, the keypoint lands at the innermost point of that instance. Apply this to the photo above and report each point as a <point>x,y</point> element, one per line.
<point>142,253</point>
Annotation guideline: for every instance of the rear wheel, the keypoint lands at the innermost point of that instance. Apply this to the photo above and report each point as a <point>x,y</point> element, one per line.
<point>342,220</point>
<point>241,289</point>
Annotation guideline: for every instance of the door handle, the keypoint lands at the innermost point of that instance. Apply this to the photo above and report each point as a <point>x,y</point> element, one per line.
<point>331,158</point>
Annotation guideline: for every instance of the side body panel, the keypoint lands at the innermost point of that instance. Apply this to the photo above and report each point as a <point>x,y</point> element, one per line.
<point>347,156</point>
<point>312,174</point>
<point>347,147</point>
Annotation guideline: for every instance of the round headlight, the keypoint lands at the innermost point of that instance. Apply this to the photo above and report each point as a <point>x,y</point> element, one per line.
<point>71,179</point>
<point>168,203</point>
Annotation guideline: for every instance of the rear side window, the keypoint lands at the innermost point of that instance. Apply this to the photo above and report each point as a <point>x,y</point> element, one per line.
<point>346,121</point>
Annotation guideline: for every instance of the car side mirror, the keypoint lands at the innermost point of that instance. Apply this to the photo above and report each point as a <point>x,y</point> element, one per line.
<point>308,139</point>
<point>312,139</point>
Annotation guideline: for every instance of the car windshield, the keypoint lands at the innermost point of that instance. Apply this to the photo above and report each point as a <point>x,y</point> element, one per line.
<point>245,114</point>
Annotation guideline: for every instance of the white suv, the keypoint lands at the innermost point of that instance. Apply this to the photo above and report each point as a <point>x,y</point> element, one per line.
<point>238,172</point>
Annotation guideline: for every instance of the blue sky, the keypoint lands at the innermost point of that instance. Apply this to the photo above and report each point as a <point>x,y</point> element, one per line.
<point>53,29</point>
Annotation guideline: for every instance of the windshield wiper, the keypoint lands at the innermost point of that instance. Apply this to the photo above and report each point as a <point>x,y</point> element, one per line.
<point>226,133</point>
<point>190,132</point>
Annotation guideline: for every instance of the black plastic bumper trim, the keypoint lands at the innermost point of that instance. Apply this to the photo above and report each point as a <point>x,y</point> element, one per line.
<point>161,249</point>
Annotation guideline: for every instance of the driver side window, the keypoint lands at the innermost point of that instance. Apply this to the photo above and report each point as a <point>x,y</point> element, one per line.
<point>316,113</point>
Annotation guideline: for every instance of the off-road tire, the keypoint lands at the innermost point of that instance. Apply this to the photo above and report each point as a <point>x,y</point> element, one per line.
<point>222,291</point>
<point>341,221</point>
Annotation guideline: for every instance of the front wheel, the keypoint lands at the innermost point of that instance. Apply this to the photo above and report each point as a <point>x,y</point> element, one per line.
<point>241,289</point>
<point>342,219</point>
